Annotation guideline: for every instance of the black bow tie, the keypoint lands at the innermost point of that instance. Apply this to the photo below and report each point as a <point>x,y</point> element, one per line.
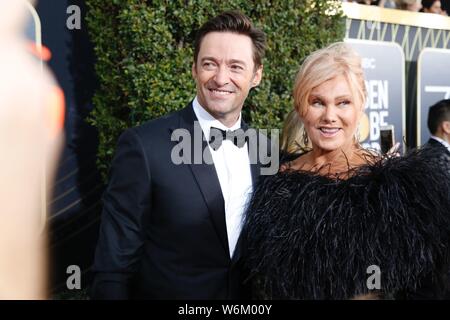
<point>216,136</point>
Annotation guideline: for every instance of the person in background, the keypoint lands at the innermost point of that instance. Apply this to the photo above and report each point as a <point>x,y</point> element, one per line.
<point>439,126</point>
<point>31,136</point>
<point>431,6</point>
<point>409,5</point>
<point>380,3</point>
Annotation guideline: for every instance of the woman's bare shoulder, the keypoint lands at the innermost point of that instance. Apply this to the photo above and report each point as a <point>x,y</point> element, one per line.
<point>296,164</point>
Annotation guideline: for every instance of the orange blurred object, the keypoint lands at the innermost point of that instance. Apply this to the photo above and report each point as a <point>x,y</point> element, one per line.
<point>56,111</point>
<point>42,52</point>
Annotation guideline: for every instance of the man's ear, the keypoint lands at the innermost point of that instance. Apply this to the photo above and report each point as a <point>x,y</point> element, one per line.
<point>257,77</point>
<point>194,70</point>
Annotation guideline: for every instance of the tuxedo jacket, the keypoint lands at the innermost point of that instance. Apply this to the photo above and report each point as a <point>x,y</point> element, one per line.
<point>163,232</point>
<point>432,143</point>
<point>441,154</point>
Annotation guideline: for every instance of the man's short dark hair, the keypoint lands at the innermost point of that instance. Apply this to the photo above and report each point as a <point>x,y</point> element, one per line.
<point>438,113</point>
<point>237,22</point>
<point>428,3</point>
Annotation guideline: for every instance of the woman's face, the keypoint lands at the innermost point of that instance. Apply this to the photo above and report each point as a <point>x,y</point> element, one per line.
<point>332,115</point>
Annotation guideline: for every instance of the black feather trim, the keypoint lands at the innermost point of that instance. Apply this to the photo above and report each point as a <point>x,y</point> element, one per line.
<point>309,236</point>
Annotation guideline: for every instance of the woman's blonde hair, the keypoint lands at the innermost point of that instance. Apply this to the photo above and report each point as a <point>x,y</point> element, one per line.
<point>291,136</point>
<point>325,64</point>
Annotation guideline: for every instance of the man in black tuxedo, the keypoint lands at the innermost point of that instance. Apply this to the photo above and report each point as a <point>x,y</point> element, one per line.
<point>170,228</point>
<point>439,125</point>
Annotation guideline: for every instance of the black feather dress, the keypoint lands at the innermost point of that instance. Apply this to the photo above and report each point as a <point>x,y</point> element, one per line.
<point>310,236</point>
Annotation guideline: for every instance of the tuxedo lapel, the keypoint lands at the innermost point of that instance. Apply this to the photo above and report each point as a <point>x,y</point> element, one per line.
<point>208,182</point>
<point>206,178</point>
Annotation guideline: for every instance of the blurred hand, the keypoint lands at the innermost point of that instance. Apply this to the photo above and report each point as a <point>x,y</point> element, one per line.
<point>393,152</point>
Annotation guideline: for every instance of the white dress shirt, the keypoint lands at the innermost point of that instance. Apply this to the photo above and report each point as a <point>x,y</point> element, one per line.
<point>233,170</point>
<point>443,142</point>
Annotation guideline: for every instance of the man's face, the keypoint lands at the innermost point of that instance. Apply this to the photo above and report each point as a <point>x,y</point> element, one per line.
<point>224,73</point>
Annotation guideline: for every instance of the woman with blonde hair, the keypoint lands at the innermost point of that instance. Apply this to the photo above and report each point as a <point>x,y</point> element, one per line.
<point>338,221</point>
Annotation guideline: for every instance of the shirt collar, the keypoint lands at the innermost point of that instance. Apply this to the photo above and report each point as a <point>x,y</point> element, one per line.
<point>207,121</point>
<point>445,143</point>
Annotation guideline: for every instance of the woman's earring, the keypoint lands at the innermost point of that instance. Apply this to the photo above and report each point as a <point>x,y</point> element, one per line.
<point>305,138</point>
<point>357,135</point>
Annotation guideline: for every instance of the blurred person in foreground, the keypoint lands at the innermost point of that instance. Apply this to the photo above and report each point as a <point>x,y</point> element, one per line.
<point>31,118</point>
<point>335,212</point>
<point>445,7</point>
<point>368,2</point>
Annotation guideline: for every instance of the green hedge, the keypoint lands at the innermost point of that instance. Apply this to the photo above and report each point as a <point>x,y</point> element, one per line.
<point>144,53</point>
